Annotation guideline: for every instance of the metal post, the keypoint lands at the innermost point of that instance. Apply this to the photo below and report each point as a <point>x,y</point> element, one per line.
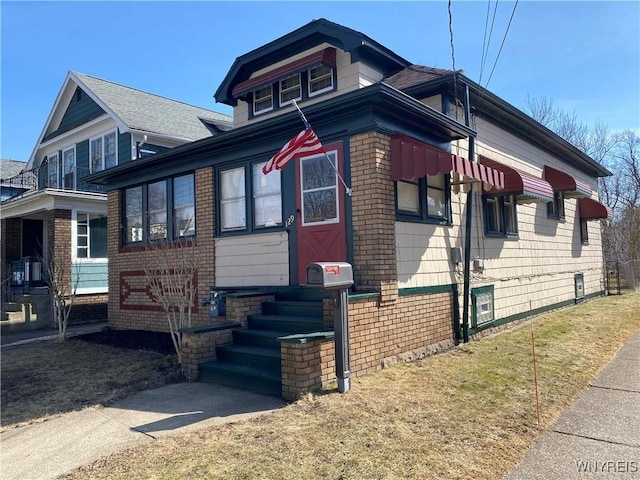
<point>341,326</point>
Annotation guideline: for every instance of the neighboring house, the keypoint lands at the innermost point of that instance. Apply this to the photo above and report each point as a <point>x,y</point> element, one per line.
<point>465,212</point>
<point>94,125</point>
<point>13,179</point>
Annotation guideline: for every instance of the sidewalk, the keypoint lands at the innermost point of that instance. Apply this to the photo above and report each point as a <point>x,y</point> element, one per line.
<point>47,450</point>
<point>11,341</point>
<point>598,437</point>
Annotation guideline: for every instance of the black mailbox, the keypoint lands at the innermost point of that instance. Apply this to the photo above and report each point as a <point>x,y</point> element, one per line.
<point>330,275</point>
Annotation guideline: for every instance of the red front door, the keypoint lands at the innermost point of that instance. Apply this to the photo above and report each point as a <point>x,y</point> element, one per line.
<point>320,203</point>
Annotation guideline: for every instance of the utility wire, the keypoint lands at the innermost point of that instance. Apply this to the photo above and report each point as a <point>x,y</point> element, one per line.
<point>485,50</point>
<point>502,44</point>
<point>453,61</point>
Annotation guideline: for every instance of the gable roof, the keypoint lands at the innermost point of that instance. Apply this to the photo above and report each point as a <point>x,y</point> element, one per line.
<point>10,171</point>
<point>360,46</point>
<point>138,112</point>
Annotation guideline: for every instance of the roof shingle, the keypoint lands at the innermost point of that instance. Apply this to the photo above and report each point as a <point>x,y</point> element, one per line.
<point>146,112</point>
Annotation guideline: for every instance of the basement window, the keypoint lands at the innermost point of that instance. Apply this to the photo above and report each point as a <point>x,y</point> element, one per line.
<point>483,305</point>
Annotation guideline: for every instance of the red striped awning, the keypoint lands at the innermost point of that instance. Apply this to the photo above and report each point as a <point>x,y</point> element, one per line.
<point>411,158</point>
<point>526,187</point>
<point>590,209</point>
<point>563,182</point>
<point>326,57</point>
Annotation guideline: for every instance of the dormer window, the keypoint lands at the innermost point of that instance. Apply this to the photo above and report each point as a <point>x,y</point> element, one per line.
<point>320,80</point>
<point>299,80</point>
<point>263,100</point>
<point>290,89</point>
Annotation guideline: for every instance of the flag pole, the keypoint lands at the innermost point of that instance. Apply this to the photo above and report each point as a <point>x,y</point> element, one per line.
<point>307,125</point>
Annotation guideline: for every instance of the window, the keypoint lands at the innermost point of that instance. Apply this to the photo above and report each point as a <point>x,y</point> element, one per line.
<point>161,210</point>
<point>424,199</point>
<point>157,210</point>
<point>68,168</point>
<point>578,280</point>
<point>184,217</point>
<point>483,305</point>
<point>293,86</point>
<point>584,232</point>
<point>263,100</point>
<point>247,193</point>
<point>91,236</point>
<point>233,214</point>
<point>103,152</point>
<point>320,80</point>
<point>555,209</point>
<point>290,89</point>
<point>267,200</point>
<point>52,170</point>
<point>133,214</point>
<point>319,189</point>
<point>500,218</point>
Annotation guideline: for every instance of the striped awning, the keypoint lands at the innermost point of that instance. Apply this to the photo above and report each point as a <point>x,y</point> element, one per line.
<point>527,188</point>
<point>411,158</point>
<point>563,182</point>
<point>590,209</point>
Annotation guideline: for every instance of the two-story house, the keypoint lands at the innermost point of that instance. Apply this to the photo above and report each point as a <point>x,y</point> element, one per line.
<point>463,213</point>
<point>94,125</point>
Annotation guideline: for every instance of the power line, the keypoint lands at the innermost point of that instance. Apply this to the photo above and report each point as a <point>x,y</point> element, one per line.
<point>485,46</point>
<point>502,44</point>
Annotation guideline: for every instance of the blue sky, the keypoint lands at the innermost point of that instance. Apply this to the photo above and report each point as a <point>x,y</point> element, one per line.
<point>583,55</point>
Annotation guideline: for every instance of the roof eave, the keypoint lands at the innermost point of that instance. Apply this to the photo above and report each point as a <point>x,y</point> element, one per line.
<point>380,97</point>
<point>302,38</point>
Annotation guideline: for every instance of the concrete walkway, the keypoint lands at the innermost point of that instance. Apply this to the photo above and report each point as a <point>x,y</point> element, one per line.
<point>35,338</point>
<point>55,447</point>
<point>598,437</point>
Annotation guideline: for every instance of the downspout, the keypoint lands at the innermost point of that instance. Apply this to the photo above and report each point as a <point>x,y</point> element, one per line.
<point>468,224</point>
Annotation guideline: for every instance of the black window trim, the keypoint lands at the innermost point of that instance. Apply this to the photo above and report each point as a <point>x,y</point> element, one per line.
<point>145,212</point>
<point>250,227</point>
<point>556,209</point>
<point>422,216</point>
<point>304,85</point>
<point>503,233</point>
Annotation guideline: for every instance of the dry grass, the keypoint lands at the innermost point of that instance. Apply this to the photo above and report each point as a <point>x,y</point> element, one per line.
<point>465,414</point>
<point>41,382</point>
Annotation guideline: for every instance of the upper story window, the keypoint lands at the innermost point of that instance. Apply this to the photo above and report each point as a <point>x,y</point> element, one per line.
<point>162,210</point>
<point>102,152</point>
<point>290,89</point>
<point>264,207</point>
<point>320,80</point>
<point>53,164</point>
<point>500,218</point>
<point>555,209</point>
<point>69,168</point>
<point>301,79</point>
<point>263,100</point>
<point>424,199</point>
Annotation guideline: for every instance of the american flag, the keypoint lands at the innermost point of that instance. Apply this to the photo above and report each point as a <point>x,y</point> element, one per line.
<point>305,143</point>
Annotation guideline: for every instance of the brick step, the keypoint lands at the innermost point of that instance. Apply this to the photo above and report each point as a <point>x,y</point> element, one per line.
<point>260,357</point>
<point>258,380</point>
<point>284,323</point>
<point>292,307</point>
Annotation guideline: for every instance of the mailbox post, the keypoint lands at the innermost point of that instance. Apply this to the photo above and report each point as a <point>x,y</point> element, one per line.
<point>336,277</point>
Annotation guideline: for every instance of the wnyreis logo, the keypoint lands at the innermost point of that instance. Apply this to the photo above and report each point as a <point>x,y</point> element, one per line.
<point>608,466</point>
